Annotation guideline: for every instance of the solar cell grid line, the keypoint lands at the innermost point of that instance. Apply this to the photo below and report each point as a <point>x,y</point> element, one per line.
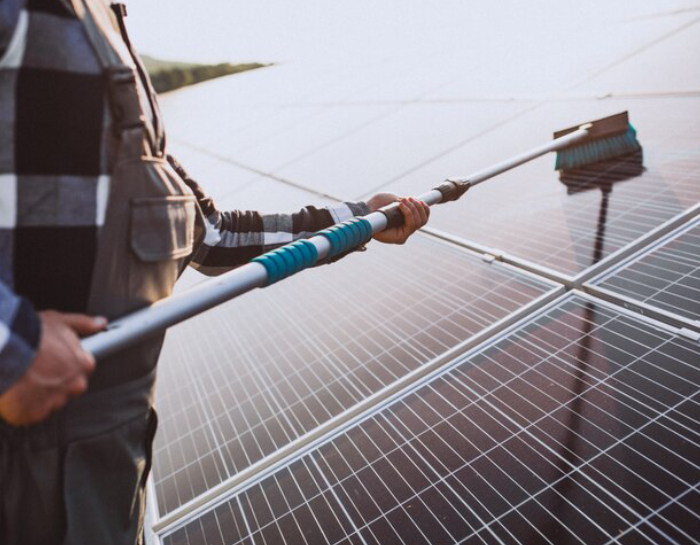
<point>497,409</point>
<point>384,451</point>
<point>320,359</point>
<point>472,399</point>
<point>280,410</point>
<point>662,446</point>
<point>456,454</point>
<point>584,439</point>
<point>617,390</point>
<point>490,485</point>
<point>507,475</point>
<point>192,471</point>
<point>656,383</point>
<point>673,431</point>
<point>642,523</point>
<point>580,236</point>
<point>666,276</point>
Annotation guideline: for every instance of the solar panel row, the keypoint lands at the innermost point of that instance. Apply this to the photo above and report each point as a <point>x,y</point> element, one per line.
<point>580,426</point>
<point>279,362</point>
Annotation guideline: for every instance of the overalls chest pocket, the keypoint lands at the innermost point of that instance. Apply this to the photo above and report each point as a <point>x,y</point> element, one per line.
<point>161,230</point>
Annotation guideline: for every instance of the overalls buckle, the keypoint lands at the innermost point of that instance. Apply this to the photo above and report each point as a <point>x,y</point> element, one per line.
<point>126,112</point>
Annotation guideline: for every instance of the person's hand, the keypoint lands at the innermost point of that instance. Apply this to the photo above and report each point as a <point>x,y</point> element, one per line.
<point>59,371</point>
<point>415,215</point>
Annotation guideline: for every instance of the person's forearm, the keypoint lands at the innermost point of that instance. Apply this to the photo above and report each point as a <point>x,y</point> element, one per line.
<point>233,238</point>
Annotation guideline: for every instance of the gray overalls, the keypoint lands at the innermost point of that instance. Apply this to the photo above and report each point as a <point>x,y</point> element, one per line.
<point>79,477</point>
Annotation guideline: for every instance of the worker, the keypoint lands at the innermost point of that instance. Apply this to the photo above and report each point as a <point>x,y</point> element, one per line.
<point>96,221</point>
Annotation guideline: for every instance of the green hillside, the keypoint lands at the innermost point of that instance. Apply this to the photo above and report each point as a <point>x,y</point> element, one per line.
<point>170,75</point>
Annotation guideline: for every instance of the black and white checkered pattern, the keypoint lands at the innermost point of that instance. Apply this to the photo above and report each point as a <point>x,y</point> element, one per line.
<point>54,179</point>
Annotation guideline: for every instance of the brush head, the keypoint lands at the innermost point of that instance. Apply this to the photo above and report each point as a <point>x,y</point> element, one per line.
<point>608,138</point>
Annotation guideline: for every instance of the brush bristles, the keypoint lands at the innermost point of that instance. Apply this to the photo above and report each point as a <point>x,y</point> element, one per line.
<point>601,149</point>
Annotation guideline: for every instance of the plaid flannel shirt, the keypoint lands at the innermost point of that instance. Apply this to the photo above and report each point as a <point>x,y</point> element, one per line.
<point>54,180</point>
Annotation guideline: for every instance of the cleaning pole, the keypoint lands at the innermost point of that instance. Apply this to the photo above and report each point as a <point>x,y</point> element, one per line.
<point>598,140</point>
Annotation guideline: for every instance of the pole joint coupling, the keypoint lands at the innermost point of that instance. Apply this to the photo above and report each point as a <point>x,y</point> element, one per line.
<point>452,190</point>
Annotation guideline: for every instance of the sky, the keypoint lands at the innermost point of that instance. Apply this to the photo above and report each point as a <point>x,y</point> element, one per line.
<point>282,31</point>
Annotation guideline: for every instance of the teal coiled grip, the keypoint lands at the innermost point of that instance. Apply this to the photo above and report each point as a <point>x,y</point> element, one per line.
<point>288,260</point>
<point>347,235</point>
<point>302,254</point>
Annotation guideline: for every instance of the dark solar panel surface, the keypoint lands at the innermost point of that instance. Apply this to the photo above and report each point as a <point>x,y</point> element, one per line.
<point>580,426</point>
<point>667,277</point>
<point>249,377</point>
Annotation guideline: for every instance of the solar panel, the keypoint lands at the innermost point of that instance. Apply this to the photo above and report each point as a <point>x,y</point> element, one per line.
<point>579,426</point>
<point>533,217</point>
<point>248,378</point>
<point>666,276</point>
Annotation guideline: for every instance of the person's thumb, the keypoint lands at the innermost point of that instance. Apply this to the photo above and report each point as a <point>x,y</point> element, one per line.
<point>83,324</point>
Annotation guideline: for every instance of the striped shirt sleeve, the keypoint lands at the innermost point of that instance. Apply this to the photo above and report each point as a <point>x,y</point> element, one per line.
<point>232,238</point>
<point>20,331</point>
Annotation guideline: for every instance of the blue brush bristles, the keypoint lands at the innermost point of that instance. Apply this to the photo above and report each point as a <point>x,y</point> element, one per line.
<point>601,149</point>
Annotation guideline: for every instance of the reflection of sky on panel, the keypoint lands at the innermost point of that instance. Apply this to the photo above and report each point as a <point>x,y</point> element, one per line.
<point>668,67</point>
<point>579,426</point>
<point>529,213</point>
<point>667,277</point>
<point>245,379</point>
<point>217,177</point>
<point>547,68</point>
<point>356,162</point>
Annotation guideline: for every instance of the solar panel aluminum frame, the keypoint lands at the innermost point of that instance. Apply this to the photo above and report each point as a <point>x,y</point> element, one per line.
<point>546,303</point>
<point>636,246</point>
<point>489,254</point>
<point>690,327</point>
<point>151,537</point>
<point>271,175</point>
<point>280,458</point>
<point>585,276</point>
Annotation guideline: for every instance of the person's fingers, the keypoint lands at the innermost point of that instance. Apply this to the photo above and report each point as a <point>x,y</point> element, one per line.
<point>381,199</point>
<point>84,358</point>
<point>83,324</point>
<point>80,323</point>
<point>77,386</point>
<point>422,212</point>
<point>416,218</point>
<point>416,210</point>
<point>409,223</point>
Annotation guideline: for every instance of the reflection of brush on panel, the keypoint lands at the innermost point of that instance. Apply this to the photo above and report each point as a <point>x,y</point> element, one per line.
<point>623,160</point>
<point>583,146</point>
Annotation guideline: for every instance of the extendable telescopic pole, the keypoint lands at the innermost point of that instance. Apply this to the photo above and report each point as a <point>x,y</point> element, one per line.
<point>290,259</point>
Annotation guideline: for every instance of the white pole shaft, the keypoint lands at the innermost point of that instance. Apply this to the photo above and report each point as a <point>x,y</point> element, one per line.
<point>534,153</point>
<point>152,320</point>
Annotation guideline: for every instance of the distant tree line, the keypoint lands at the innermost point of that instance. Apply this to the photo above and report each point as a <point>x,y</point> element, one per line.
<point>167,79</point>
